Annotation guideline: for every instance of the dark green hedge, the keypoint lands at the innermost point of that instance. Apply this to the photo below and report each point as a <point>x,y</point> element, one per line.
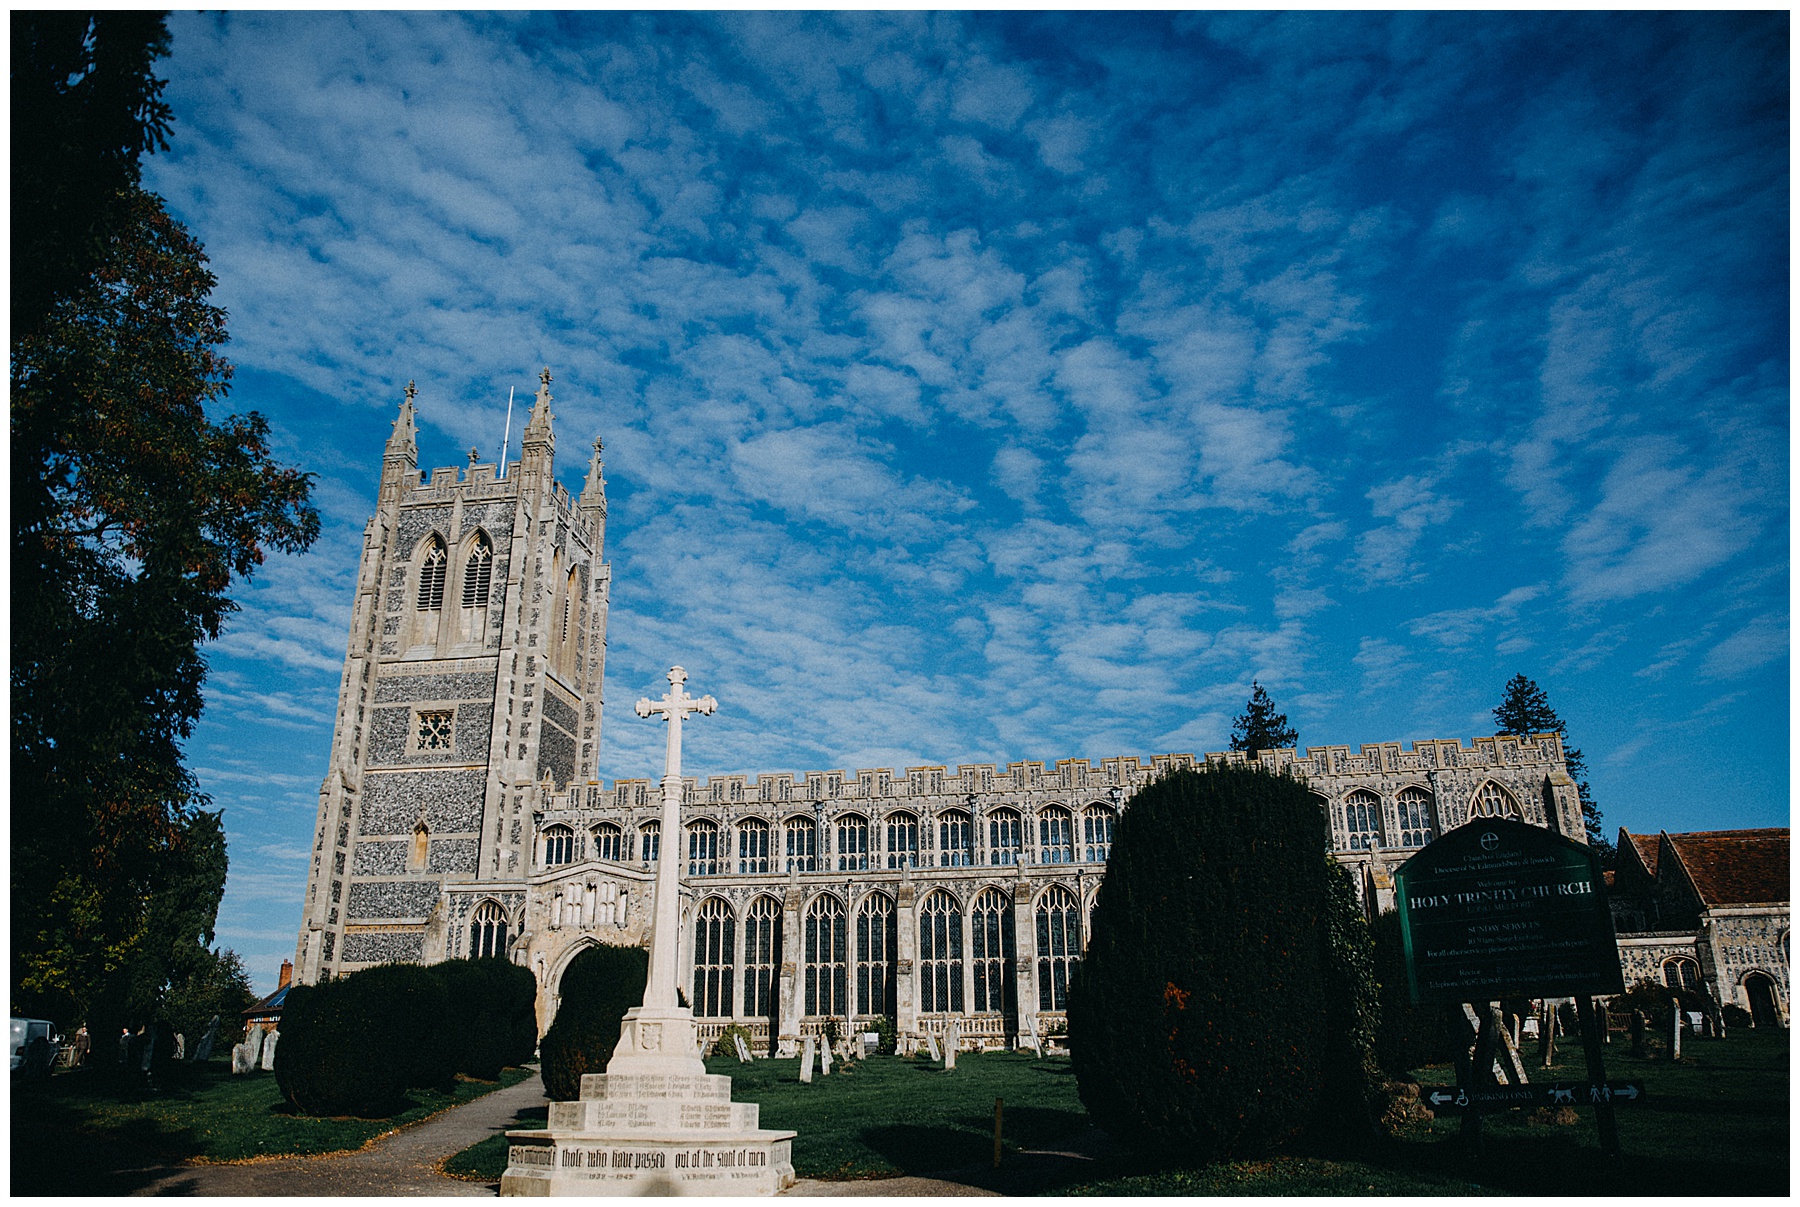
<point>1213,1013</point>
<point>493,1014</point>
<point>355,1046</point>
<point>597,988</point>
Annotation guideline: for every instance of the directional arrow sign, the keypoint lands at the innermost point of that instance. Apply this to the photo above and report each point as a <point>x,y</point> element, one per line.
<point>1587,1093</point>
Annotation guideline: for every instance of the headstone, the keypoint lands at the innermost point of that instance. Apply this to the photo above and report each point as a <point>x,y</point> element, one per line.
<point>952,1041</point>
<point>240,1058</point>
<point>931,1046</point>
<point>268,1055</point>
<point>180,1046</point>
<point>1037,1045</point>
<point>871,1042</point>
<point>205,1050</point>
<point>1675,1030</point>
<point>253,1043</point>
<point>824,1058</point>
<point>743,1049</point>
<point>806,1059</point>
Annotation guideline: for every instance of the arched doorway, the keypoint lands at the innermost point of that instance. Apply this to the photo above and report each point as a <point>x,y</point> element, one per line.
<point>1763,1010</point>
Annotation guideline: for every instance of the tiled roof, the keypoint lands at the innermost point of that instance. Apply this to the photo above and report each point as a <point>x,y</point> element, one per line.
<point>1646,846</point>
<point>269,1005</point>
<point>1735,867</point>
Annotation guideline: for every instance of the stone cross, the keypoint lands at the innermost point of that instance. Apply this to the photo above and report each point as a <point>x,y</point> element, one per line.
<point>665,927</point>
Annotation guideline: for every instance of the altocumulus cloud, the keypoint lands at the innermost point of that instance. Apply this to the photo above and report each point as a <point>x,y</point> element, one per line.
<point>935,352</point>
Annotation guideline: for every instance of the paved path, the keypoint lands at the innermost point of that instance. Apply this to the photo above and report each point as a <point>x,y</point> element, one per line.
<point>401,1163</point>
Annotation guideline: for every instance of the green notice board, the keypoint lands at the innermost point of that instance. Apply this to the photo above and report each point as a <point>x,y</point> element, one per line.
<point>1501,908</point>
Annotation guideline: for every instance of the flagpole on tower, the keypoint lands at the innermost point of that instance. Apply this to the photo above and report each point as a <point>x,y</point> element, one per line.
<point>508,436</point>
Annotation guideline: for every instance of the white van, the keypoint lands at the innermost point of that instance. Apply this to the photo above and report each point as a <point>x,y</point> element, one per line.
<point>24,1030</point>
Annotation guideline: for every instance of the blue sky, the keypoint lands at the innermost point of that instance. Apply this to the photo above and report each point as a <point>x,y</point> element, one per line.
<point>1001,386</point>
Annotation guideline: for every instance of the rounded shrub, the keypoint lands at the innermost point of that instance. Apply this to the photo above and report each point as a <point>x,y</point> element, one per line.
<point>597,988</point>
<point>1203,1020</point>
<point>493,1014</point>
<point>355,1046</point>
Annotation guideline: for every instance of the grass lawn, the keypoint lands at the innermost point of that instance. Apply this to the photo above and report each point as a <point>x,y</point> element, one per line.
<point>1715,1124</point>
<point>201,1112</point>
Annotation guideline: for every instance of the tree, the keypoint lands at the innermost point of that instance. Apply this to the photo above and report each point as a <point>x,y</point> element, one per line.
<point>1524,710</point>
<point>596,990</point>
<point>85,106</point>
<point>213,984</point>
<point>134,512</point>
<point>1260,727</point>
<point>1225,1003</point>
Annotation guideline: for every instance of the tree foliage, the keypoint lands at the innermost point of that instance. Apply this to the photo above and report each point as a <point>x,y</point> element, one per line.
<point>85,106</point>
<point>215,984</point>
<point>1524,710</point>
<point>493,1014</point>
<point>134,510</point>
<point>354,1046</point>
<point>596,990</point>
<point>1260,727</point>
<point>1225,996</point>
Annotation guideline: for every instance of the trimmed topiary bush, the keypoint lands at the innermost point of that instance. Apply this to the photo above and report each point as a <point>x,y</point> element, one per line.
<point>597,988</point>
<point>1202,1022</point>
<point>355,1046</point>
<point>493,1014</point>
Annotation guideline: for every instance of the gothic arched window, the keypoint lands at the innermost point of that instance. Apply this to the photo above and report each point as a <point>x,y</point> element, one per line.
<point>487,933</point>
<point>478,572</point>
<point>1362,818</point>
<point>609,842</point>
<point>703,849</point>
<point>1494,801</point>
<point>559,846</point>
<point>1005,836</point>
<point>715,951</point>
<point>992,953</point>
<point>852,843</point>
<point>1058,946</point>
<point>431,575</point>
<point>762,957</point>
<point>954,839</point>
<point>825,956</point>
<point>1096,835</point>
<point>877,940</point>
<point>650,841</point>
<point>1415,817</point>
<point>940,955</point>
<point>902,841</point>
<point>800,837</point>
<point>753,847</point>
<point>1055,835</point>
<point>1681,973</point>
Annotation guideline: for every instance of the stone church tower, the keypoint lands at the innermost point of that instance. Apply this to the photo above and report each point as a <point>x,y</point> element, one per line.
<point>471,687</point>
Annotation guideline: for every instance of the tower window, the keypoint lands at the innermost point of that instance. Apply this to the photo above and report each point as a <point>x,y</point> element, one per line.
<point>478,574</point>
<point>431,577</point>
<point>436,731</point>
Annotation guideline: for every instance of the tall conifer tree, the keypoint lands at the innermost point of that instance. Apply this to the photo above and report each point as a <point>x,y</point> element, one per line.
<point>1260,727</point>
<point>1525,709</point>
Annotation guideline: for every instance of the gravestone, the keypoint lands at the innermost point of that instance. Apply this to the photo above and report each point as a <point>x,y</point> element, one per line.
<point>253,1045</point>
<point>871,1042</point>
<point>806,1059</point>
<point>240,1059</point>
<point>268,1055</point>
<point>952,1041</point>
<point>743,1050</point>
<point>1675,1030</point>
<point>931,1046</point>
<point>825,1058</point>
<point>205,1049</point>
<point>180,1046</point>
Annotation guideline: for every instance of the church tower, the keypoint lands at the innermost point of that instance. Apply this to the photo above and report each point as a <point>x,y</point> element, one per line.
<point>471,690</point>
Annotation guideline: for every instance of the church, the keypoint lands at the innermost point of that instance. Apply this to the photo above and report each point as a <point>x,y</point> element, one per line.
<point>463,814</point>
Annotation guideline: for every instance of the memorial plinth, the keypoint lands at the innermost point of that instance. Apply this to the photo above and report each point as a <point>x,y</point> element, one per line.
<point>655,1123</point>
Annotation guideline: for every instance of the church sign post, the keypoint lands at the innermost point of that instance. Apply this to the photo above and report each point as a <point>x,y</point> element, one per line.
<point>1499,908</point>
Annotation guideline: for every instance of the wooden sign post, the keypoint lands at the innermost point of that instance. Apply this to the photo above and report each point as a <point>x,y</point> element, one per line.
<point>1498,909</point>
